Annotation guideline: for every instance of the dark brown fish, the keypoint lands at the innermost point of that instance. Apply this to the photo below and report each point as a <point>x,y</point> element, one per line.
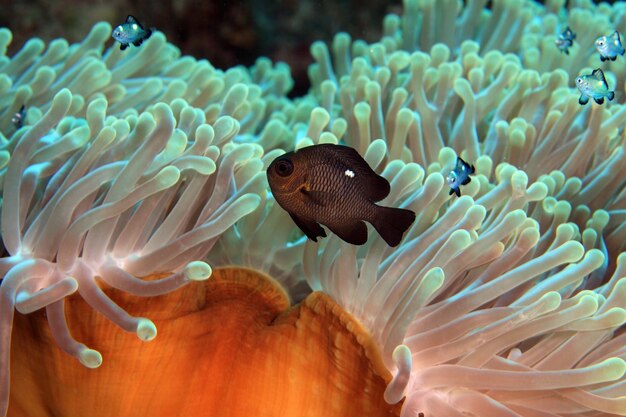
<point>334,186</point>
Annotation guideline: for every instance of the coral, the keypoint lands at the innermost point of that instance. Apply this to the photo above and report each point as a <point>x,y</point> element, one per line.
<point>506,301</point>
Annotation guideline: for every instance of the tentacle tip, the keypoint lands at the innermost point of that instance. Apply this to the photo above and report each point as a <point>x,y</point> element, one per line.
<point>198,271</point>
<point>398,386</point>
<point>90,358</point>
<point>146,330</point>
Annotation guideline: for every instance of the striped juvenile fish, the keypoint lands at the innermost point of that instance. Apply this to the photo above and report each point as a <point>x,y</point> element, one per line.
<point>460,175</point>
<point>609,47</point>
<point>129,32</point>
<point>593,86</point>
<point>565,40</point>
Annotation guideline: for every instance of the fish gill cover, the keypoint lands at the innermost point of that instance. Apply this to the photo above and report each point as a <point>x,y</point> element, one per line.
<point>510,299</point>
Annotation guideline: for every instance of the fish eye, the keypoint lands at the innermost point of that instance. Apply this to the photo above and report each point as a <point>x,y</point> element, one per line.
<point>284,168</point>
<point>579,80</point>
<point>600,42</point>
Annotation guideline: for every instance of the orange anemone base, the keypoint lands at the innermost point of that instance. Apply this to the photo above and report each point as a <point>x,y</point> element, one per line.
<point>229,346</point>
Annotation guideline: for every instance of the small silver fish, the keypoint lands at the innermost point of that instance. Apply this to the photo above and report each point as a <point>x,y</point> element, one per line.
<point>129,32</point>
<point>333,185</point>
<point>610,46</point>
<point>565,40</point>
<point>460,175</point>
<point>18,118</point>
<point>593,85</point>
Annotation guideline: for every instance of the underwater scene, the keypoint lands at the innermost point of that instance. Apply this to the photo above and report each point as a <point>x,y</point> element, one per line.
<point>310,208</point>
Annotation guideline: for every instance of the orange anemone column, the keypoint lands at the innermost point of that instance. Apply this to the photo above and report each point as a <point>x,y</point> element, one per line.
<point>229,346</point>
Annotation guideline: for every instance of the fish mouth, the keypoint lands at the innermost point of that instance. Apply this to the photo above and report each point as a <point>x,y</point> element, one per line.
<point>286,187</point>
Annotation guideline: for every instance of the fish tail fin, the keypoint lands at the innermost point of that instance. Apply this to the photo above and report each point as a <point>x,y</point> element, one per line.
<point>391,223</point>
<point>611,95</point>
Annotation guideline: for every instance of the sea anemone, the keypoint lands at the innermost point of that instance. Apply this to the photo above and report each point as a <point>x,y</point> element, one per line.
<point>111,200</point>
<point>507,301</point>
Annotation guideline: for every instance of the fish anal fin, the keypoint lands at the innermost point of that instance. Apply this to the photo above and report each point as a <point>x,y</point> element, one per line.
<point>138,42</point>
<point>599,100</point>
<point>466,181</point>
<point>353,232</point>
<point>391,223</point>
<point>613,58</point>
<point>310,228</point>
<point>582,100</point>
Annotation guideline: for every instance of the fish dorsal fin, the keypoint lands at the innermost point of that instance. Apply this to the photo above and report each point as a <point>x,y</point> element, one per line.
<point>598,74</point>
<point>569,34</point>
<point>132,20</point>
<point>615,36</point>
<point>460,163</point>
<point>376,186</point>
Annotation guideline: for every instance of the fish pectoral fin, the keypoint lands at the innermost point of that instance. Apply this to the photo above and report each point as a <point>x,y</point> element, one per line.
<point>583,100</point>
<point>599,100</point>
<point>311,229</point>
<point>315,197</point>
<point>123,46</point>
<point>351,231</point>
